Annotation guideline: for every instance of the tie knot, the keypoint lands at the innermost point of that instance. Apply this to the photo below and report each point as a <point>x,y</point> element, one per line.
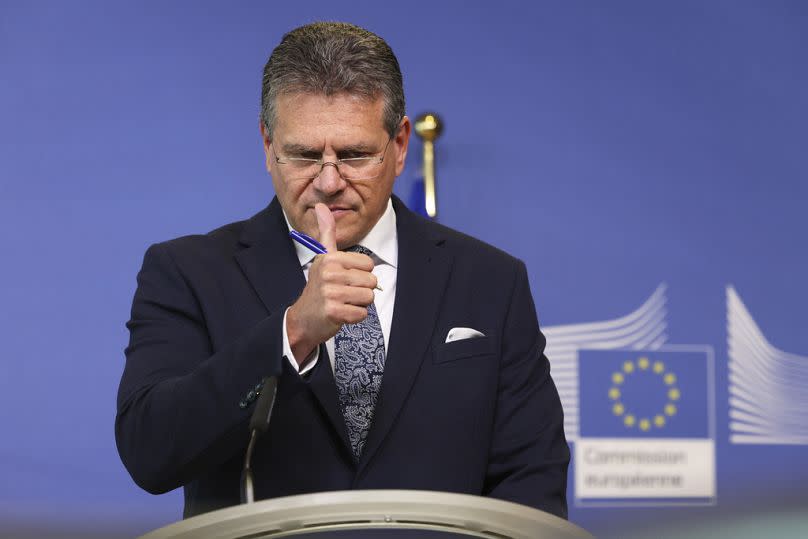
<point>359,249</point>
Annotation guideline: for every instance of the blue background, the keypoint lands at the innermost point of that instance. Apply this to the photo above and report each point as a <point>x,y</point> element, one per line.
<point>612,146</point>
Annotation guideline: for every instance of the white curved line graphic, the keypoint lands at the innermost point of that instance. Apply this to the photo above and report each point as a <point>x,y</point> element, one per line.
<point>643,329</point>
<point>767,386</point>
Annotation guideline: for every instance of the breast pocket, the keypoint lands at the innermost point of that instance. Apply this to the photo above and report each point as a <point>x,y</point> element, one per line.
<point>464,349</point>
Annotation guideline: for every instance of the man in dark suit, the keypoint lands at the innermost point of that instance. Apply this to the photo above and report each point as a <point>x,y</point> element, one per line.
<point>409,356</point>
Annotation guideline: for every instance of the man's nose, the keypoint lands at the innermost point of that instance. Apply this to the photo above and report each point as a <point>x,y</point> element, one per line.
<point>329,181</point>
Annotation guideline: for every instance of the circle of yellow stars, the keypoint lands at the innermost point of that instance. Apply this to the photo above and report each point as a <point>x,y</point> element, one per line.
<point>630,420</point>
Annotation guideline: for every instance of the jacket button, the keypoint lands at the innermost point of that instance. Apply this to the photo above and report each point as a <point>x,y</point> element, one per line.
<point>242,404</point>
<point>251,396</point>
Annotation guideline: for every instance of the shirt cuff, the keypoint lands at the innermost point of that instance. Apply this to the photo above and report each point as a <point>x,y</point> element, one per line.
<point>287,352</point>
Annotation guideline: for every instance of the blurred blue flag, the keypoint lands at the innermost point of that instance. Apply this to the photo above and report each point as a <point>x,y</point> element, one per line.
<point>644,394</point>
<point>417,200</point>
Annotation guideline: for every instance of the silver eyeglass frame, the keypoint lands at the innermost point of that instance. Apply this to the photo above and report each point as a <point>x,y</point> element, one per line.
<point>375,159</point>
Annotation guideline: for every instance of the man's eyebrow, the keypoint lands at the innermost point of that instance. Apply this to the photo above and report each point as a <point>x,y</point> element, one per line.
<point>296,148</point>
<point>360,147</point>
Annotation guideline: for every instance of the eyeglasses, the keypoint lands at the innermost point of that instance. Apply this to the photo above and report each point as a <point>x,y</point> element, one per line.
<point>350,168</point>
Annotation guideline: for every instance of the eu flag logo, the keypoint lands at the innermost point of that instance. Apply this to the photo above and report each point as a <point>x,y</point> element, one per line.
<point>646,431</point>
<point>644,394</point>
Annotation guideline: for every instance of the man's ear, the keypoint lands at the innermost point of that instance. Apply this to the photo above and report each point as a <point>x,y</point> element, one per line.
<point>401,142</point>
<point>267,142</point>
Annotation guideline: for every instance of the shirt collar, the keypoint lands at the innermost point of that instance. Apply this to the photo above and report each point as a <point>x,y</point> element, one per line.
<point>382,240</point>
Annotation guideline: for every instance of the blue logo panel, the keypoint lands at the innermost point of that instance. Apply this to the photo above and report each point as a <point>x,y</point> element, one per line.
<point>644,394</point>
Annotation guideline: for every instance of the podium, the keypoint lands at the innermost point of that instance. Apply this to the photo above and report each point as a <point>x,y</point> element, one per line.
<point>399,514</point>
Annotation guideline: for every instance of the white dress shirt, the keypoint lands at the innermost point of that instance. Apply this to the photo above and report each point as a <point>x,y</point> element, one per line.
<point>382,240</point>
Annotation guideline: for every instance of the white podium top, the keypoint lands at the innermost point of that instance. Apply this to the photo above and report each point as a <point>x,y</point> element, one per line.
<point>374,513</point>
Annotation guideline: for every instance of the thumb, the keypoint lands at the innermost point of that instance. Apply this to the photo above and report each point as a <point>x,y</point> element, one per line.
<point>327,226</point>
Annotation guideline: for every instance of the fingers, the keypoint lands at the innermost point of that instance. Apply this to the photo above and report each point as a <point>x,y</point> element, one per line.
<point>347,295</point>
<point>327,226</point>
<point>347,314</point>
<point>342,261</point>
<point>350,277</point>
<point>358,261</point>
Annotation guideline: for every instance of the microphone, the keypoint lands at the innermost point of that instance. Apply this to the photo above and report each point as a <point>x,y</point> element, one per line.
<point>259,423</point>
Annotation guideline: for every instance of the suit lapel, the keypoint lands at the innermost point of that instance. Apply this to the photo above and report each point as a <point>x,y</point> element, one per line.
<point>271,266</point>
<point>423,269</point>
<point>324,387</point>
<point>269,261</point>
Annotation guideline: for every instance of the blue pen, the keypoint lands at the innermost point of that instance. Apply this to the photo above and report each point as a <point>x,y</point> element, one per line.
<point>308,242</point>
<point>313,245</point>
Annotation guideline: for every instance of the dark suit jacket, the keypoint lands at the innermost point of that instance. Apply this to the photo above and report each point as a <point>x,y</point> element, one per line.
<point>478,416</point>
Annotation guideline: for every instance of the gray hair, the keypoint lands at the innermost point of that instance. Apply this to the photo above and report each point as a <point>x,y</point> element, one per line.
<point>329,58</point>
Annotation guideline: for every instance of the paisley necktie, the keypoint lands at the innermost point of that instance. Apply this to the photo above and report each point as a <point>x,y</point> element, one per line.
<point>358,368</point>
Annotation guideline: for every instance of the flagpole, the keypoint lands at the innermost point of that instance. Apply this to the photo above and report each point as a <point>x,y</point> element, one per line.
<point>428,127</point>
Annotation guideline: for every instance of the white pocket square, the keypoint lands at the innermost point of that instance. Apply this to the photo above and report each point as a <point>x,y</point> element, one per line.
<point>458,334</point>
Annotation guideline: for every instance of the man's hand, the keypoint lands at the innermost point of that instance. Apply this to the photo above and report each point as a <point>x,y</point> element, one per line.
<point>339,289</point>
